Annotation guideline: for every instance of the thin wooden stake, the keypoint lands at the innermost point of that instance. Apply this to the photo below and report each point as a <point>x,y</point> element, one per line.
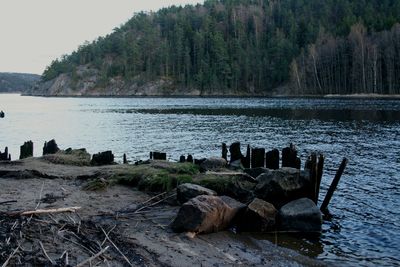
<point>333,186</point>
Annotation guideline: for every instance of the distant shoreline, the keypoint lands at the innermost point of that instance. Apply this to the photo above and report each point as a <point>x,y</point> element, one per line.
<point>351,96</point>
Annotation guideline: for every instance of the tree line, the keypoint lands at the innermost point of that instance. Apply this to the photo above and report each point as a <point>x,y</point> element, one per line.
<point>248,46</point>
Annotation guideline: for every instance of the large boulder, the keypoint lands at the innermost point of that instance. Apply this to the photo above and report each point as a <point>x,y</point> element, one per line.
<point>282,186</point>
<point>213,164</point>
<point>187,191</point>
<point>260,216</point>
<point>206,214</point>
<point>240,186</point>
<point>300,215</point>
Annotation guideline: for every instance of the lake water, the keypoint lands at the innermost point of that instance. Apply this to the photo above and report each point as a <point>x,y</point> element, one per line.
<point>365,229</point>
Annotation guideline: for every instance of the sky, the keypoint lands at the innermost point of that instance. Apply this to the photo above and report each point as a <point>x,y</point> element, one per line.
<point>35,32</point>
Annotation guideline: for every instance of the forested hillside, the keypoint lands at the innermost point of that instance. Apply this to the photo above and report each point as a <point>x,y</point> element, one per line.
<point>17,82</point>
<point>243,47</point>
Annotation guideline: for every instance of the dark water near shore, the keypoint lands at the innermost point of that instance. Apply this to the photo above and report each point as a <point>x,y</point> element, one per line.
<point>366,227</point>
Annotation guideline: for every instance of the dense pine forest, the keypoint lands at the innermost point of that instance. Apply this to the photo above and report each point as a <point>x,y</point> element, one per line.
<point>251,47</point>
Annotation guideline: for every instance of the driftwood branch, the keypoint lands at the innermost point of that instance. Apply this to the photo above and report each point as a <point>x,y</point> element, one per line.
<point>45,253</point>
<point>83,263</point>
<point>49,211</point>
<point>9,258</point>
<point>115,246</point>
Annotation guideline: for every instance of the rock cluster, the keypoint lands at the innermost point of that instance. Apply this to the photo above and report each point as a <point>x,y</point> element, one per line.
<point>277,200</point>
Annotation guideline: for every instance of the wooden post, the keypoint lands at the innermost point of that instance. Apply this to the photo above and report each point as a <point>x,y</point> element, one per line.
<point>124,159</point>
<point>320,168</point>
<point>246,160</point>
<point>236,154</point>
<point>272,159</point>
<point>190,158</point>
<point>333,186</point>
<point>182,159</point>
<point>312,166</point>
<point>257,157</point>
<point>224,152</point>
<point>26,150</point>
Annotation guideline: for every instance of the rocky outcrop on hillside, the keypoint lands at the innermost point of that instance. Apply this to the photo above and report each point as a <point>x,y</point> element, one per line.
<point>87,81</point>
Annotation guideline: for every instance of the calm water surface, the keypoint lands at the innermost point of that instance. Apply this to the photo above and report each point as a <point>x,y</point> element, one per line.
<point>365,229</point>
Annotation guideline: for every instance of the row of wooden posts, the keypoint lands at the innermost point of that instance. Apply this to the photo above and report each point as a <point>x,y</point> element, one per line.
<point>26,150</point>
<point>258,157</point>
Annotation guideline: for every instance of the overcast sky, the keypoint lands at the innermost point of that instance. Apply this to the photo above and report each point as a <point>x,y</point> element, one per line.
<point>34,32</point>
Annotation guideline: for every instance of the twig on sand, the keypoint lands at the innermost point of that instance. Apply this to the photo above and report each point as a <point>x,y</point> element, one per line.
<point>45,253</point>
<point>40,197</point>
<point>8,201</point>
<point>49,211</point>
<point>115,246</point>
<point>105,239</point>
<point>151,205</point>
<point>9,258</point>
<point>93,257</point>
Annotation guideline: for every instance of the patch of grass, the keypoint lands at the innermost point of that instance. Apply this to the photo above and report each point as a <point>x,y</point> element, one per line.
<point>183,168</point>
<point>74,157</point>
<point>163,182</point>
<point>96,185</point>
<point>217,183</point>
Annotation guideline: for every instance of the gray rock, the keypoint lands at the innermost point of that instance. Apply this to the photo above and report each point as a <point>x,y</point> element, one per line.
<point>260,216</point>
<point>282,186</point>
<point>255,172</point>
<point>300,215</point>
<point>206,214</point>
<point>188,191</point>
<point>213,164</point>
<point>236,165</point>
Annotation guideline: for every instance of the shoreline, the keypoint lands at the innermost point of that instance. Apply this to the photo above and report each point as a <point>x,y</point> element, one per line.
<point>143,236</point>
<point>272,96</point>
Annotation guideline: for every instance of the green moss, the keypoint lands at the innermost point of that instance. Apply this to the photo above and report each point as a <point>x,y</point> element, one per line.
<point>217,183</point>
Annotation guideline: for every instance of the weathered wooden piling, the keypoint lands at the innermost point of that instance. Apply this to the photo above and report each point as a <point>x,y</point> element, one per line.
<point>190,159</point>
<point>159,155</point>
<point>50,147</point>
<point>289,157</point>
<point>125,161</point>
<point>257,157</point>
<point>320,169</point>
<point>26,150</point>
<point>5,155</point>
<point>103,158</point>
<point>272,159</point>
<point>224,152</point>
<point>247,159</point>
<point>182,159</point>
<point>332,188</point>
<point>236,153</point>
<point>311,165</point>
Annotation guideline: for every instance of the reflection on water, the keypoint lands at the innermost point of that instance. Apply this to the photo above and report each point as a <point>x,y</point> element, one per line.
<point>365,228</point>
